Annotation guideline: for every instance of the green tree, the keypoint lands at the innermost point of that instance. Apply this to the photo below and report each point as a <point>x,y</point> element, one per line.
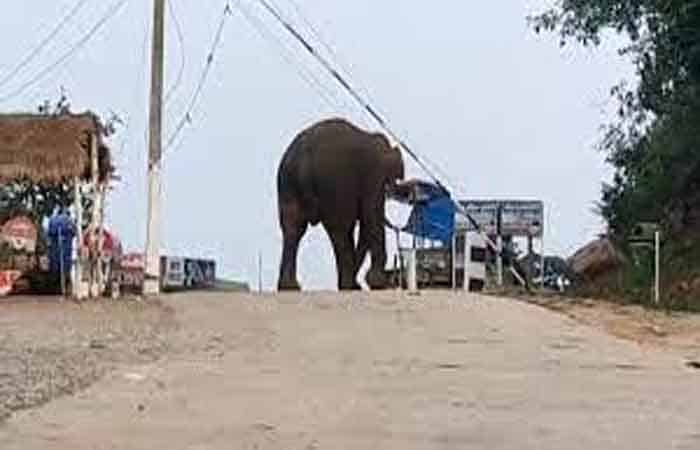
<point>653,144</point>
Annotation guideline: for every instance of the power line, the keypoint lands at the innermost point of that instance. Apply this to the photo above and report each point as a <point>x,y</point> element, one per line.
<point>181,43</point>
<point>378,118</point>
<point>334,55</point>
<point>42,45</point>
<point>349,88</point>
<point>111,12</point>
<point>340,61</point>
<point>327,95</point>
<point>187,117</point>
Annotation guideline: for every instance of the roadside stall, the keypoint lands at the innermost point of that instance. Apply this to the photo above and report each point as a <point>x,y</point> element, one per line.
<point>48,151</point>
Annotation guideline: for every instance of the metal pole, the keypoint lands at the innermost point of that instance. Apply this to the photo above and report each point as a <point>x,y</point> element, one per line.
<point>499,260</point>
<point>657,267</point>
<point>543,247</point>
<point>151,285</point>
<point>543,263</point>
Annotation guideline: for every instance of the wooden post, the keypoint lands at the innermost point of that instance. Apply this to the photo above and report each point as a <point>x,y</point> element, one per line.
<point>95,276</point>
<point>78,292</point>
<point>151,283</point>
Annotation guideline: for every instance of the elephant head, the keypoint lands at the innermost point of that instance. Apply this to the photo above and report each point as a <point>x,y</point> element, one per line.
<point>391,161</point>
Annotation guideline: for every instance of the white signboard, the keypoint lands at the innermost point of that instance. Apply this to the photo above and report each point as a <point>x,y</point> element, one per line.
<point>484,213</point>
<point>522,218</point>
<point>518,217</point>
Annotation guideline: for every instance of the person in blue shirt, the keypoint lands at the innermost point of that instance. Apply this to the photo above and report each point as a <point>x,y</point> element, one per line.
<point>60,236</point>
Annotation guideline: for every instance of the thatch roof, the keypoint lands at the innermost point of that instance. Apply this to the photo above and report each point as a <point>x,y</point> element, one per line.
<point>50,149</point>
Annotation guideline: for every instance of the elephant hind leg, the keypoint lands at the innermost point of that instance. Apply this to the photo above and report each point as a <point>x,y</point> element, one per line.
<point>294,224</point>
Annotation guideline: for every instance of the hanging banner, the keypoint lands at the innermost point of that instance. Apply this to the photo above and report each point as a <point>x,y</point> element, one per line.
<point>176,273</point>
<point>200,273</point>
<point>20,233</point>
<point>7,281</point>
<point>172,272</point>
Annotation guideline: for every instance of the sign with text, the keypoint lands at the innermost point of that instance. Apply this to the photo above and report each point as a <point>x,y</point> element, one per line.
<point>484,213</point>
<point>522,218</point>
<point>517,217</point>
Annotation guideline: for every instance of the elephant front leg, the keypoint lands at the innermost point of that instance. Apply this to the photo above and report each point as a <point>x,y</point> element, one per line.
<point>344,250</point>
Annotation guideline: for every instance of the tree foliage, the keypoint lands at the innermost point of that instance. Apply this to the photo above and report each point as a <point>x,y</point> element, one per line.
<point>653,143</point>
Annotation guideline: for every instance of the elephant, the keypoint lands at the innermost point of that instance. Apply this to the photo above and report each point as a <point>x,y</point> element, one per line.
<point>336,174</point>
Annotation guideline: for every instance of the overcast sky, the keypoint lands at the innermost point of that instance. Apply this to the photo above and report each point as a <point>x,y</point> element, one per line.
<point>503,112</point>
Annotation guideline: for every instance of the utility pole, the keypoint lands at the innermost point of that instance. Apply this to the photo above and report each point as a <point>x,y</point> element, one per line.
<point>151,284</point>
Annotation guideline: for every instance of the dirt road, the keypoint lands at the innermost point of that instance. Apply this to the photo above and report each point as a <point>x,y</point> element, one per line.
<point>323,371</point>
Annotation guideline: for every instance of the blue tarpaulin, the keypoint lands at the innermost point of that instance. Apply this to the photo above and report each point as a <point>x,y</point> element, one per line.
<point>433,214</point>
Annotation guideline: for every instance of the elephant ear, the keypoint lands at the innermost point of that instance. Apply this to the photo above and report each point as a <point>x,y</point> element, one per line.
<point>381,143</point>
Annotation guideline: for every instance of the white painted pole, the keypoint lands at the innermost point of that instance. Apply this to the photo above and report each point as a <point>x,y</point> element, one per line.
<point>151,284</point>
<point>454,261</point>
<point>467,260</point>
<point>412,272</point>
<point>657,267</point>
<point>95,275</point>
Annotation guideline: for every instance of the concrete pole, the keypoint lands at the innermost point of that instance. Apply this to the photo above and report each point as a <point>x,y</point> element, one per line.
<point>467,259</point>
<point>412,274</point>
<point>151,284</point>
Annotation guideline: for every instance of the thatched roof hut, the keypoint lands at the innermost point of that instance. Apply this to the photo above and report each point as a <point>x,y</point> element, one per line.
<point>50,149</point>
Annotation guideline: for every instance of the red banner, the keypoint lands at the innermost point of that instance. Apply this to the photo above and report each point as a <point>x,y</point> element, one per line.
<point>7,281</point>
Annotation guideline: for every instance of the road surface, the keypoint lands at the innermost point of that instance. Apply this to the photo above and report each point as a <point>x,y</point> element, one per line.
<point>380,371</point>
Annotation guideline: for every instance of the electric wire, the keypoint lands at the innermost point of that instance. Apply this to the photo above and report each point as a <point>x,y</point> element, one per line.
<point>332,100</point>
<point>326,44</point>
<point>377,117</point>
<point>181,44</point>
<point>341,62</point>
<point>43,44</point>
<point>187,116</point>
<point>351,91</point>
<point>111,12</point>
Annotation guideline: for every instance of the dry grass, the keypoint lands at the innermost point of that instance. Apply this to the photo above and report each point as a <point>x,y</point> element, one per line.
<point>47,149</point>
